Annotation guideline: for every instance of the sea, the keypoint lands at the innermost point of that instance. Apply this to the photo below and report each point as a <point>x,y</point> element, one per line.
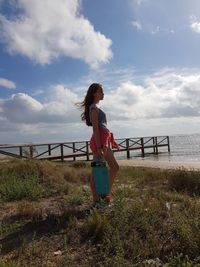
<point>183,148</point>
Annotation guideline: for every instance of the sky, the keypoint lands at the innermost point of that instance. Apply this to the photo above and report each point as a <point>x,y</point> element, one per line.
<point>146,53</point>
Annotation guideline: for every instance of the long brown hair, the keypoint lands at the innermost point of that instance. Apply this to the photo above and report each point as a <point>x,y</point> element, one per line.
<point>88,100</point>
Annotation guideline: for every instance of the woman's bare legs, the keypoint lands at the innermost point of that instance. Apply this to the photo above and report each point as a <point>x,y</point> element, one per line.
<point>94,194</point>
<point>112,163</point>
<point>114,167</point>
<point>92,186</point>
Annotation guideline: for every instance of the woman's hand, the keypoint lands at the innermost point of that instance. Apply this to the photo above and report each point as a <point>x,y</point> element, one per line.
<point>99,153</point>
<point>105,151</point>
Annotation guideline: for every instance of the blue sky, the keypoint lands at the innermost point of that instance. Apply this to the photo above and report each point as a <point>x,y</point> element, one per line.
<point>144,52</point>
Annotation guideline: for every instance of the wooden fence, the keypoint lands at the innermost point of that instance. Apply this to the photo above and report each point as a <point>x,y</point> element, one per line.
<point>81,150</point>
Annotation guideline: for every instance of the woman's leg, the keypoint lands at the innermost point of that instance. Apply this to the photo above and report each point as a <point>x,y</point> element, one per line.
<point>112,163</point>
<point>92,186</point>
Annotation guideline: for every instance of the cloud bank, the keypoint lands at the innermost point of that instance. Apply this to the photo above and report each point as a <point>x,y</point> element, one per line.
<point>166,96</point>
<point>58,107</point>
<point>45,30</point>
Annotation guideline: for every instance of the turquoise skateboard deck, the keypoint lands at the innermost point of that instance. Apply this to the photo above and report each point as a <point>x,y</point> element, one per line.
<point>101,178</point>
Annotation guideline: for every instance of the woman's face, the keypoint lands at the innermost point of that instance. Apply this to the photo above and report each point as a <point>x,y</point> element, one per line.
<point>99,94</point>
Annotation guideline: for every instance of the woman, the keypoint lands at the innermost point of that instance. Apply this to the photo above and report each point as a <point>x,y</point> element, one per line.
<point>102,138</point>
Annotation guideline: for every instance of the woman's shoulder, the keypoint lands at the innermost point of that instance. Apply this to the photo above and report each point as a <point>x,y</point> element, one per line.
<point>93,106</point>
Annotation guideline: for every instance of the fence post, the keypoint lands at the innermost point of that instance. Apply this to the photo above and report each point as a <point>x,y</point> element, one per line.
<point>142,147</point>
<point>87,151</point>
<point>61,152</point>
<point>156,143</point>
<point>49,150</point>
<point>20,151</point>
<point>168,144</point>
<point>154,150</point>
<point>127,149</point>
<point>74,150</point>
<point>31,151</point>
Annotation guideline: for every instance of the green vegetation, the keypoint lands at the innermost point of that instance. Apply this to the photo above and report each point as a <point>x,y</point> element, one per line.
<point>46,219</point>
<point>16,188</point>
<point>184,181</point>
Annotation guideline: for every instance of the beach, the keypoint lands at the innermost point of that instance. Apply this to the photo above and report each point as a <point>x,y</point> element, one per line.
<point>160,164</point>
<point>147,163</point>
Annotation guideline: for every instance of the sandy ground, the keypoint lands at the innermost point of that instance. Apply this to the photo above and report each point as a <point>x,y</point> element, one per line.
<point>5,158</point>
<point>140,162</point>
<point>160,164</point>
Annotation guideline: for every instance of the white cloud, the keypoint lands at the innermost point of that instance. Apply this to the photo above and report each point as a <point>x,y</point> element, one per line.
<point>163,101</point>
<point>137,25</point>
<point>164,94</point>
<point>45,30</point>
<point>58,107</point>
<point>155,19</point>
<point>7,83</point>
<point>156,30</point>
<point>194,24</point>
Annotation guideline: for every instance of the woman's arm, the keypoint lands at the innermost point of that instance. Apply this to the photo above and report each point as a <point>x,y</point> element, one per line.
<point>95,126</point>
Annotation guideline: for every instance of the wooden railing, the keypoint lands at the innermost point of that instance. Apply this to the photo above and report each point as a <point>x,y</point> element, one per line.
<point>74,150</point>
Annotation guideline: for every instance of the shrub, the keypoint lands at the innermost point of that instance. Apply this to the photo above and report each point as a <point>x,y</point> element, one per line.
<point>95,226</point>
<point>80,175</point>
<point>15,188</point>
<point>79,164</point>
<point>9,264</point>
<point>182,260</point>
<point>185,181</point>
<point>111,251</point>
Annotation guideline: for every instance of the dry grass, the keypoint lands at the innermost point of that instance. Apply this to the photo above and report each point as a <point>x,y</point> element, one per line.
<point>155,218</point>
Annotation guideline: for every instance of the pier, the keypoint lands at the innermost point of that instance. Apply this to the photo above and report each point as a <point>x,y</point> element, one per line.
<point>80,150</point>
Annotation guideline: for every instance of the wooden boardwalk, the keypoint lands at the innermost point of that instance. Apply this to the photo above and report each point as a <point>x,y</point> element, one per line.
<point>74,150</point>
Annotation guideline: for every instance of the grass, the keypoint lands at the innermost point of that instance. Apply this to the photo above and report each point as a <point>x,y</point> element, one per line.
<point>16,188</point>
<point>185,181</point>
<point>46,220</point>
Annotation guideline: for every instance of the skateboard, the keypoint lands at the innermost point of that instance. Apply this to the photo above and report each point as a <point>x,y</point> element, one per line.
<point>101,177</point>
